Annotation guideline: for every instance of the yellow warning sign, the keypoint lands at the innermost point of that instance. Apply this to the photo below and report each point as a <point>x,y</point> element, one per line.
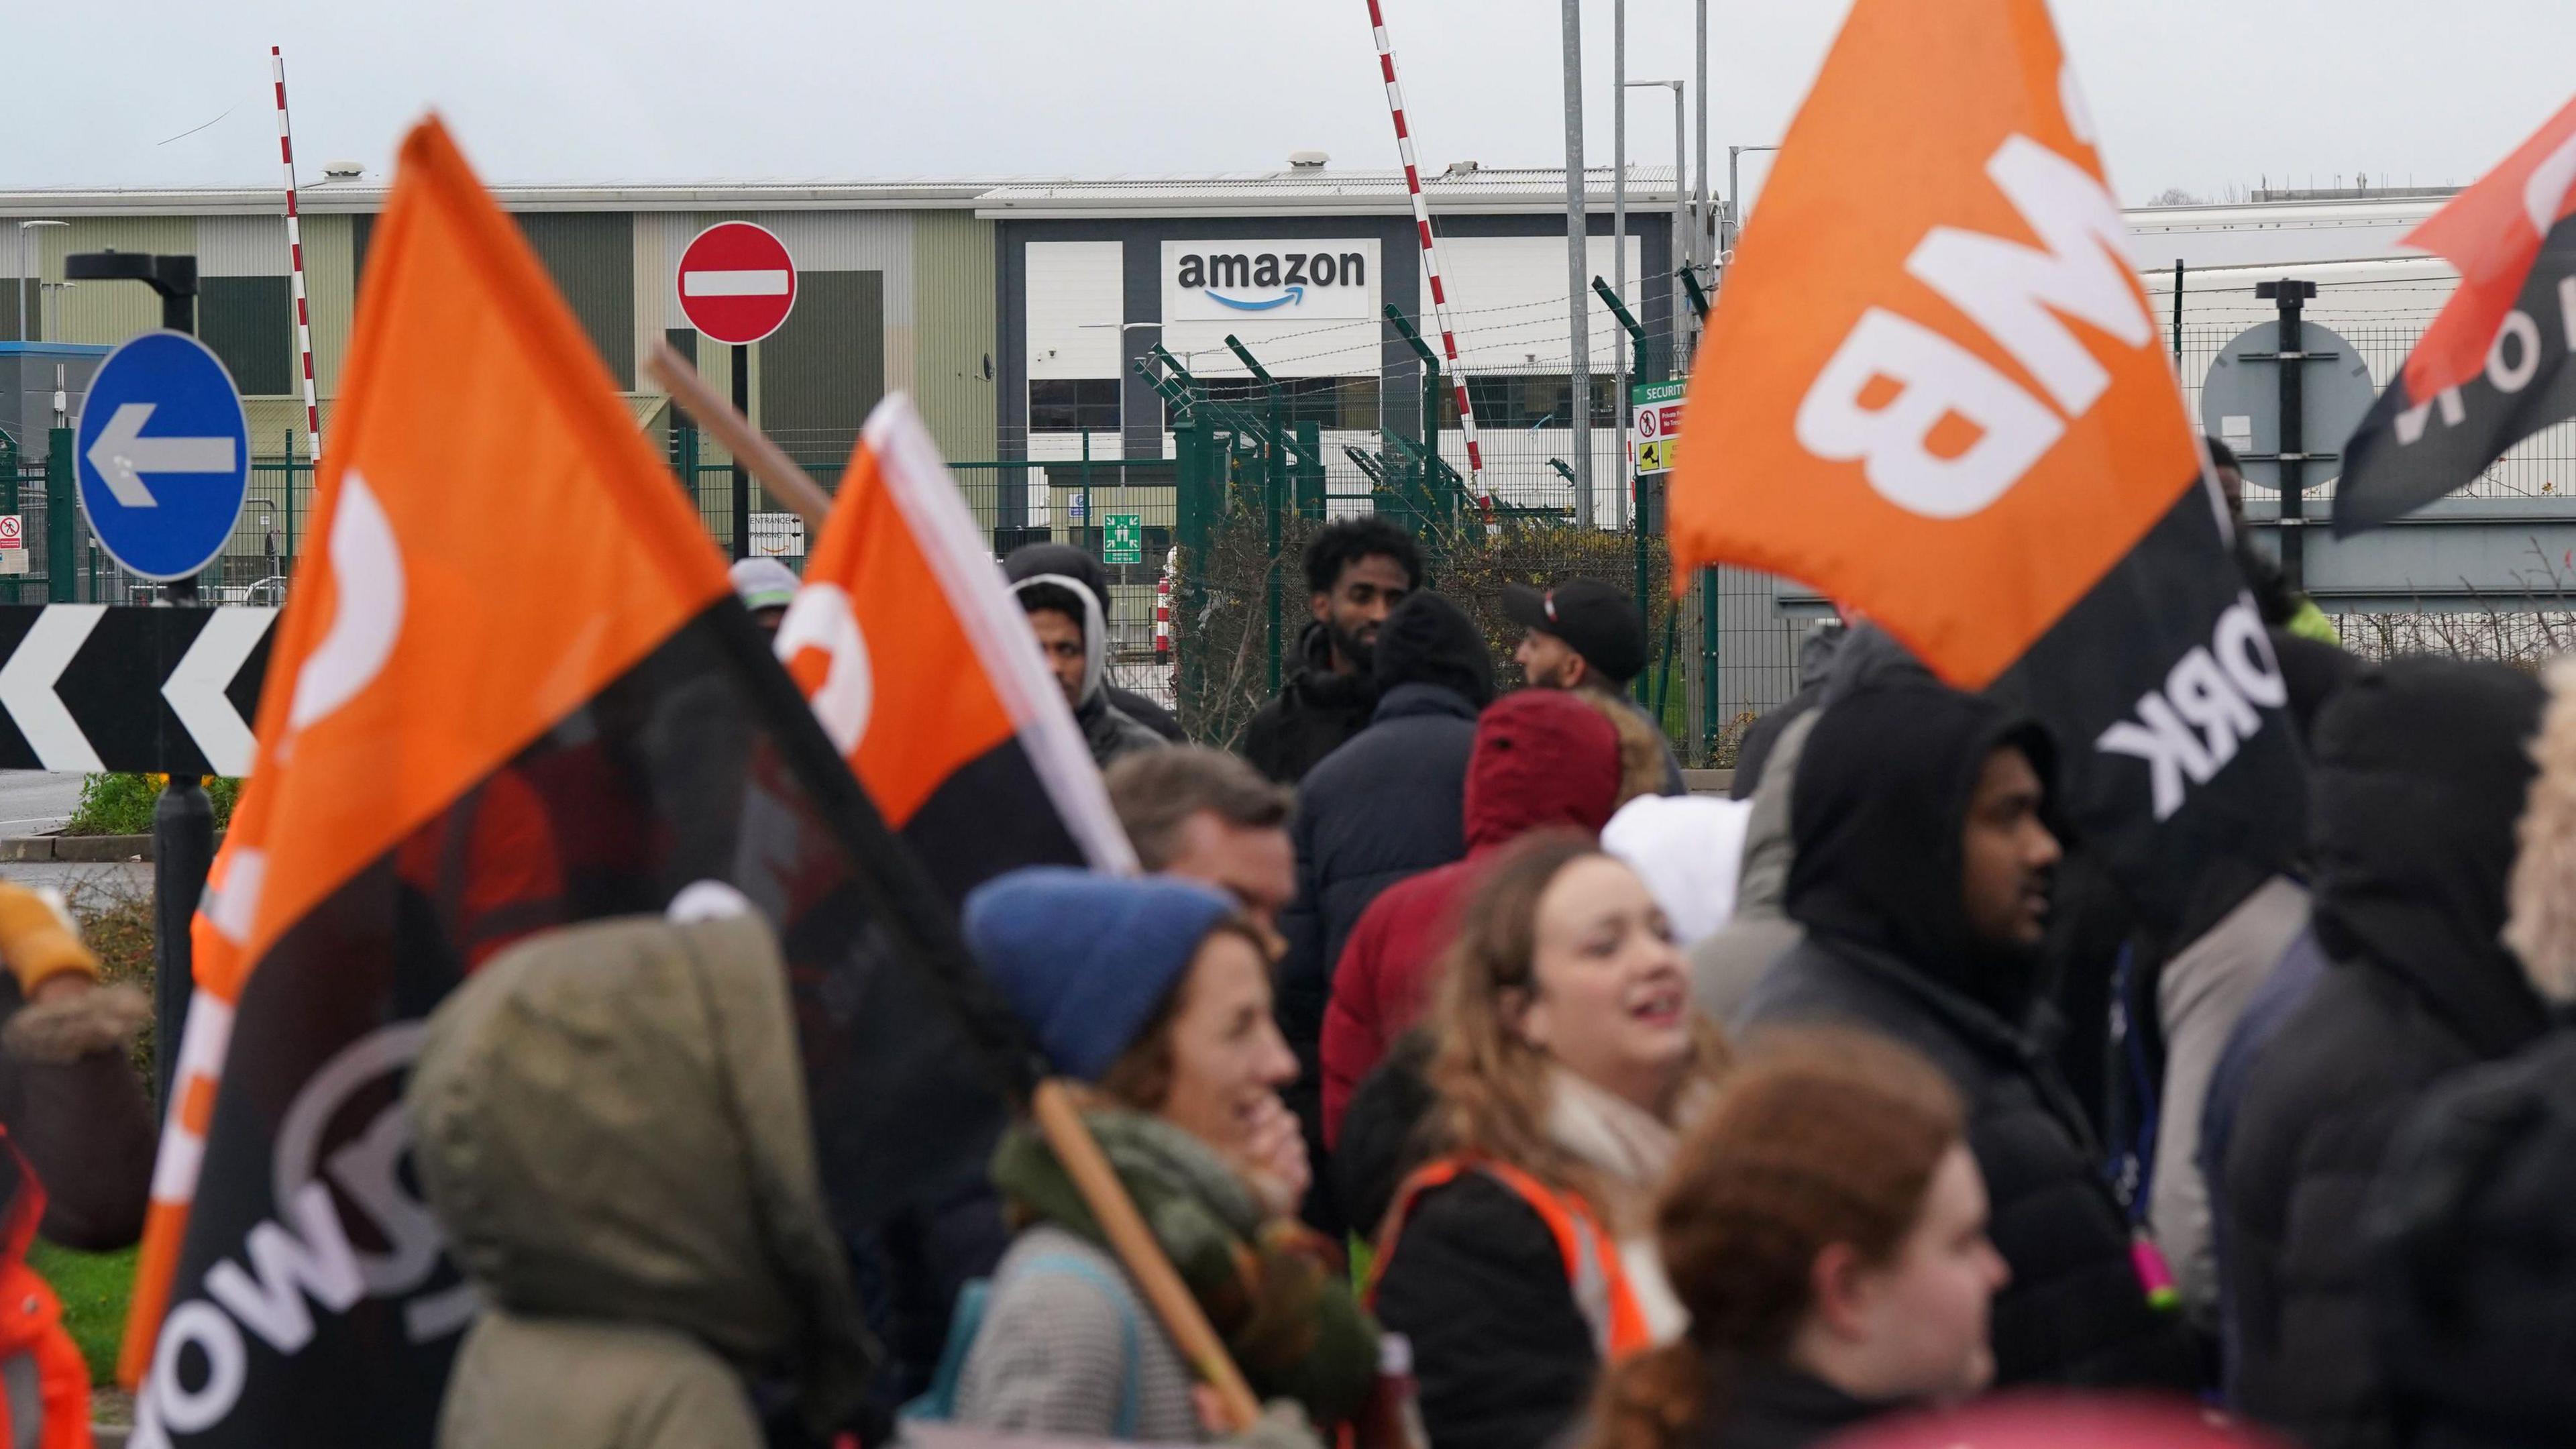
<point>1655,455</point>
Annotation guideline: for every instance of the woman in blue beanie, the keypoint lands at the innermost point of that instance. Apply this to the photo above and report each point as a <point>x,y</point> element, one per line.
<point>1156,993</point>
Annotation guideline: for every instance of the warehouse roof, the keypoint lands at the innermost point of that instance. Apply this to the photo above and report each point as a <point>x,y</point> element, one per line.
<point>1462,189</point>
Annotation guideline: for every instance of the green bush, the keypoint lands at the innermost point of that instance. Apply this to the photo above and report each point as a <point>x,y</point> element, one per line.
<point>121,803</point>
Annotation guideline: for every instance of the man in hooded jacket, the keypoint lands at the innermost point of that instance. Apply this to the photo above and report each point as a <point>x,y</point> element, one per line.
<point>1542,758</point>
<point>1032,559</point>
<point>1920,875</point>
<point>1110,732</point>
<point>611,1124</point>
<point>2420,771</point>
<point>1387,805</point>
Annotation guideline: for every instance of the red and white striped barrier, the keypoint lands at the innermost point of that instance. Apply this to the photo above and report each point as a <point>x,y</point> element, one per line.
<point>1163,608</point>
<point>295,254</point>
<point>1430,260</point>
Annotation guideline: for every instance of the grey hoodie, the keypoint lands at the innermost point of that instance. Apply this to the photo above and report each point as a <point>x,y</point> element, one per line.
<point>1725,966</point>
<point>1112,733</point>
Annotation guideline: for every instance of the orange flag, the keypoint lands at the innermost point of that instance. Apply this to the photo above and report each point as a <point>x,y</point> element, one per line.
<point>470,734</point>
<point>1933,389</point>
<point>982,768</point>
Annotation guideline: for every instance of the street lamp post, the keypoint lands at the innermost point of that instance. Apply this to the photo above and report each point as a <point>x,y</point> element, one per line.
<point>1734,200</point>
<point>1619,253</point>
<point>23,228</point>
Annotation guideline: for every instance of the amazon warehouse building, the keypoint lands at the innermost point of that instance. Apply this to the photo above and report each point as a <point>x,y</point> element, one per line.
<point>1013,311</point>
<point>1016,311</point>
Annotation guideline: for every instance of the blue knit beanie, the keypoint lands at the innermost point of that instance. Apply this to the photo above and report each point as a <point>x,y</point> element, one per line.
<point>1086,959</point>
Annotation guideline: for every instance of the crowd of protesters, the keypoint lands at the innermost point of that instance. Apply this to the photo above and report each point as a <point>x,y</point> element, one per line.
<point>1454,1055</point>
<point>1481,1089</point>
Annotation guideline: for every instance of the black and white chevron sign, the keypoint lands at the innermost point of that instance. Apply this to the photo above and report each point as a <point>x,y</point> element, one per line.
<point>118,687</point>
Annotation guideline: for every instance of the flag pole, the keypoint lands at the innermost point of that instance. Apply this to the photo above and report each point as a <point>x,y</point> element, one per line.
<point>1061,1124</point>
<point>777,472</point>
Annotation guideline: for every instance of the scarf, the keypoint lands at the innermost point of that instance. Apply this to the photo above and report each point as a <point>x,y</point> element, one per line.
<point>1272,1290</point>
<point>1630,1149</point>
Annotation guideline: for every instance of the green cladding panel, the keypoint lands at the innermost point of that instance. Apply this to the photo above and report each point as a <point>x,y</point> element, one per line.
<point>591,257</point>
<point>249,322</point>
<point>824,369</point>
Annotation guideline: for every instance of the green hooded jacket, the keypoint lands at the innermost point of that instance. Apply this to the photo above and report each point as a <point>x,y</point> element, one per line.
<point>611,1123</point>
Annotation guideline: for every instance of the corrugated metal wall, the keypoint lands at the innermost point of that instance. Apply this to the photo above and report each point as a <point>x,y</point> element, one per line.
<point>956,331</point>
<point>926,324</point>
<point>244,246</point>
<point>591,257</point>
<point>107,311</point>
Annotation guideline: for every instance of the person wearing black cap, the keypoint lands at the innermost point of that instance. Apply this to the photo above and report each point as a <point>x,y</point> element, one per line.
<point>1585,634</point>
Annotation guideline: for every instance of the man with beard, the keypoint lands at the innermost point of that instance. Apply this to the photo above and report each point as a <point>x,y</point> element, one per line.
<point>1357,571</point>
<point>1920,873</point>
<point>1389,805</point>
<point>1588,636</point>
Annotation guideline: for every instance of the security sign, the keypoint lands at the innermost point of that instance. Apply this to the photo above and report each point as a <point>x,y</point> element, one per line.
<point>13,544</point>
<point>163,455</point>
<point>1657,423</point>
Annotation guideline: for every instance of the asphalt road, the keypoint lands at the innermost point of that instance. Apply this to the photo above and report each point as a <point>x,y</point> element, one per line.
<point>34,802</point>
<point>37,802</point>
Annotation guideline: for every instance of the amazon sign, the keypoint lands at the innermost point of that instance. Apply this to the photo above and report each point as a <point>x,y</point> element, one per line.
<point>1235,281</point>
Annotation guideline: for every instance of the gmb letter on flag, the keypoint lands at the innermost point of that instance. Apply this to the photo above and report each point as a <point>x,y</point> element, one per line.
<point>1933,389</point>
<point>2492,369</point>
<point>982,769</point>
<point>572,718</point>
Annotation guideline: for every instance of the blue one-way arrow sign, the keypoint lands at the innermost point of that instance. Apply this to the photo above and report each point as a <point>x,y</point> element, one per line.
<point>163,455</point>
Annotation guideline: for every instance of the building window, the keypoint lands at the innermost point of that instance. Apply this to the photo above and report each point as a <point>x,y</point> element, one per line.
<point>1327,402</point>
<point>1531,400</point>
<point>1073,405</point>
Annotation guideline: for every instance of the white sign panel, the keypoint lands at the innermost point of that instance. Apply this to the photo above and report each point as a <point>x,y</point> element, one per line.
<point>1278,281</point>
<point>778,535</point>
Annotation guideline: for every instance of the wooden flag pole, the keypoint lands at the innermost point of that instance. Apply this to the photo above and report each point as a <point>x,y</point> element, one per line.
<point>776,471</point>
<point>1061,1123</point>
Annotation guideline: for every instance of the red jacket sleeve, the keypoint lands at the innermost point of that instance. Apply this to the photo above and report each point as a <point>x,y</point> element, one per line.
<point>1355,1036</point>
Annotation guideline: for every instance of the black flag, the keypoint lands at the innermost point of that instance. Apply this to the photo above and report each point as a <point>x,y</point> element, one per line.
<point>2492,370</point>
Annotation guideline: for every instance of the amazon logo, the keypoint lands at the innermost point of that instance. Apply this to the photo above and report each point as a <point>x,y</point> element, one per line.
<point>1268,281</point>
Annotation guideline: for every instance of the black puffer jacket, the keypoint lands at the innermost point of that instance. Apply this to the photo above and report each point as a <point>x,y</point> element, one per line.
<point>2420,771</point>
<point>1388,805</point>
<point>1317,711</point>
<point>1503,1358</point>
<point>2473,1256</point>
<point>1879,815</point>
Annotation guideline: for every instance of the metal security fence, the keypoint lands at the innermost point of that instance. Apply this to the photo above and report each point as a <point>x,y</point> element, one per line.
<point>2542,465</point>
<point>65,563</point>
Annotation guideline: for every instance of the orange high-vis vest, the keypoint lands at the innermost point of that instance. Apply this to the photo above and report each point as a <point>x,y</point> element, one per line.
<point>1593,1271</point>
<point>44,1382</point>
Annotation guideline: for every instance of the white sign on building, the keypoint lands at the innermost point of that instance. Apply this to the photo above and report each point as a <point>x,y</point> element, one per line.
<point>1275,281</point>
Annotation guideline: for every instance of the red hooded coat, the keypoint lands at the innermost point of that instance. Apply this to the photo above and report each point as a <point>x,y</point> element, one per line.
<point>1542,758</point>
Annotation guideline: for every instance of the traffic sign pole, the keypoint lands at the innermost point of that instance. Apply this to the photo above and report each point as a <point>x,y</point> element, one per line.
<point>183,819</point>
<point>741,475</point>
<point>736,284</point>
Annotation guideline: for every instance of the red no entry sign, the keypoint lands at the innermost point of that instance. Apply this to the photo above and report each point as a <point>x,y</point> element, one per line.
<point>737,283</point>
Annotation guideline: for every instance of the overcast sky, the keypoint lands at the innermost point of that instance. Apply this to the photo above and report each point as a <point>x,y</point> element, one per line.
<point>2198,94</point>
